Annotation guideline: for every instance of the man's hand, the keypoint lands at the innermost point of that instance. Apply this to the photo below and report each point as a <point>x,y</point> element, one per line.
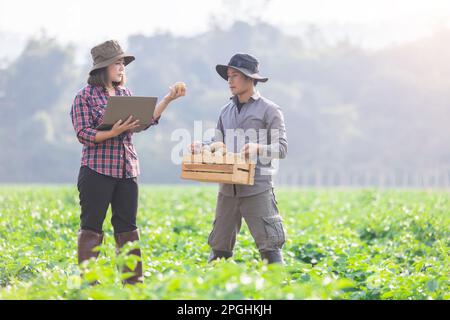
<point>250,149</point>
<point>195,147</point>
<point>120,126</point>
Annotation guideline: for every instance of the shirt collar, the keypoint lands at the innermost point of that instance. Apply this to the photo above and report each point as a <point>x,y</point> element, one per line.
<point>119,90</point>
<point>256,95</point>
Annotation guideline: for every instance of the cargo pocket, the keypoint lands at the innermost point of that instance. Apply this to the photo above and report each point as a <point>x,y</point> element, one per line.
<point>275,231</point>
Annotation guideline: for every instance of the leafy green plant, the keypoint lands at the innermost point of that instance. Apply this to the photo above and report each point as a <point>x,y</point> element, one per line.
<point>341,244</point>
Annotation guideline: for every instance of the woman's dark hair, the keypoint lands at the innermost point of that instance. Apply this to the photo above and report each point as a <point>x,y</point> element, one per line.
<point>99,77</point>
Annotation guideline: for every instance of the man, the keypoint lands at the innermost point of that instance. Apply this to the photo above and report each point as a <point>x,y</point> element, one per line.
<point>249,112</point>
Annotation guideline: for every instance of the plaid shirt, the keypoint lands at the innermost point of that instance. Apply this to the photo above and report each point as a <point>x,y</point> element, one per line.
<point>115,157</point>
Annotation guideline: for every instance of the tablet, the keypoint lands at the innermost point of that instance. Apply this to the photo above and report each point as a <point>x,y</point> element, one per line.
<point>121,107</point>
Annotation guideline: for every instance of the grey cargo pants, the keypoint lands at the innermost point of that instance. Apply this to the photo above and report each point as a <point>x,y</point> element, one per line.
<point>261,215</point>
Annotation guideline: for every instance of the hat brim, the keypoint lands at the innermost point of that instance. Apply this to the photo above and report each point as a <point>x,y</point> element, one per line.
<point>126,57</point>
<point>222,71</point>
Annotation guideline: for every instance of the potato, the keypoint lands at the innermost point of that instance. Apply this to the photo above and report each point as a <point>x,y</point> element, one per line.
<point>217,145</point>
<point>218,158</point>
<point>180,86</point>
<point>230,154</point>
<point>220,151</point>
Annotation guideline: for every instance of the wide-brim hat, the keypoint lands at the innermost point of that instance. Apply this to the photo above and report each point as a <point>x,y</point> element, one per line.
<point>107,53</point>
<point>245,63</point>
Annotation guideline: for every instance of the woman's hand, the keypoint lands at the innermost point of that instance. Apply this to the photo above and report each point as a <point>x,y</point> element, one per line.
<point>120,126</point>
<point>117,129</point>
<point>177,90</point>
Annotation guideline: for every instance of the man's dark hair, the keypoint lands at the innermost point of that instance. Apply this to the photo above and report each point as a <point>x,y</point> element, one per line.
<point>254,80</point>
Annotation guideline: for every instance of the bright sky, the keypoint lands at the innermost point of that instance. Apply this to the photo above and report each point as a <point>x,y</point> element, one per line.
<point>372,23</point>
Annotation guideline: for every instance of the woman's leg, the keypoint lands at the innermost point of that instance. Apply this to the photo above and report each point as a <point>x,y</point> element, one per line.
<point>95,192</point>
<point>124,211</point>
<point>124,204</point>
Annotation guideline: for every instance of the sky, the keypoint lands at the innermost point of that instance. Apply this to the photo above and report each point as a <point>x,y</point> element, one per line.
<point>370,23</point>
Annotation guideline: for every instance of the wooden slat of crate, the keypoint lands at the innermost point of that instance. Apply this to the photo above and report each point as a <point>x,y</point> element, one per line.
<point>200,167</point>
<point>240,178</point>
<point>222,173</point>
<point>251,176</point>
<point>214,159</point>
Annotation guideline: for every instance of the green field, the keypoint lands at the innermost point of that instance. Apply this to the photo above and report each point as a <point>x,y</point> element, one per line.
<point>342,244</point>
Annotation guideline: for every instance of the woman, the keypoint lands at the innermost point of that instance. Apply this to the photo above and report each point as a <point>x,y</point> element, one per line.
<point>109,164</point>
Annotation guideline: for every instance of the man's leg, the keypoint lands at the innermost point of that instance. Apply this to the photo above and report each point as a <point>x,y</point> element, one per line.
<point>265,224</point>
<point>227,224</point>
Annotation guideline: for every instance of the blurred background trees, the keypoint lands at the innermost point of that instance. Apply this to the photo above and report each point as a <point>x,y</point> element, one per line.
<point>354,116</point>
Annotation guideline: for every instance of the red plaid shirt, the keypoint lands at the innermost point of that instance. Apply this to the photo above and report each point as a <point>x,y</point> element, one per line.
<point>115,157</point>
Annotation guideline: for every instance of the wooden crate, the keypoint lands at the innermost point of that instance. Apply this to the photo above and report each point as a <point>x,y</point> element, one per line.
<point>222,169</point>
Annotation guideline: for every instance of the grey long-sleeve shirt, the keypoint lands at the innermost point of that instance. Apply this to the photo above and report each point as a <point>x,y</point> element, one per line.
<point>261,121</point>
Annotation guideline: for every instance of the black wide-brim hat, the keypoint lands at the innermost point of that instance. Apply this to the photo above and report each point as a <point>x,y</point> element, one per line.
<point>243,62</point>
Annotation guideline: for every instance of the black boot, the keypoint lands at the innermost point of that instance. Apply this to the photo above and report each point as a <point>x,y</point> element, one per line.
<point>217,254</point>
<point>272,257</point>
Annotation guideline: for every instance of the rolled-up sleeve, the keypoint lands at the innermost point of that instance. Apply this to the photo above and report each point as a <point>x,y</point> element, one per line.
<point>153,122</point>
<point>277,140</point>
<point>82,121</point>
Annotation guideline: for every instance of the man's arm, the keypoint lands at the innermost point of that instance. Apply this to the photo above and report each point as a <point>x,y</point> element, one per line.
<point>276,145</point>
